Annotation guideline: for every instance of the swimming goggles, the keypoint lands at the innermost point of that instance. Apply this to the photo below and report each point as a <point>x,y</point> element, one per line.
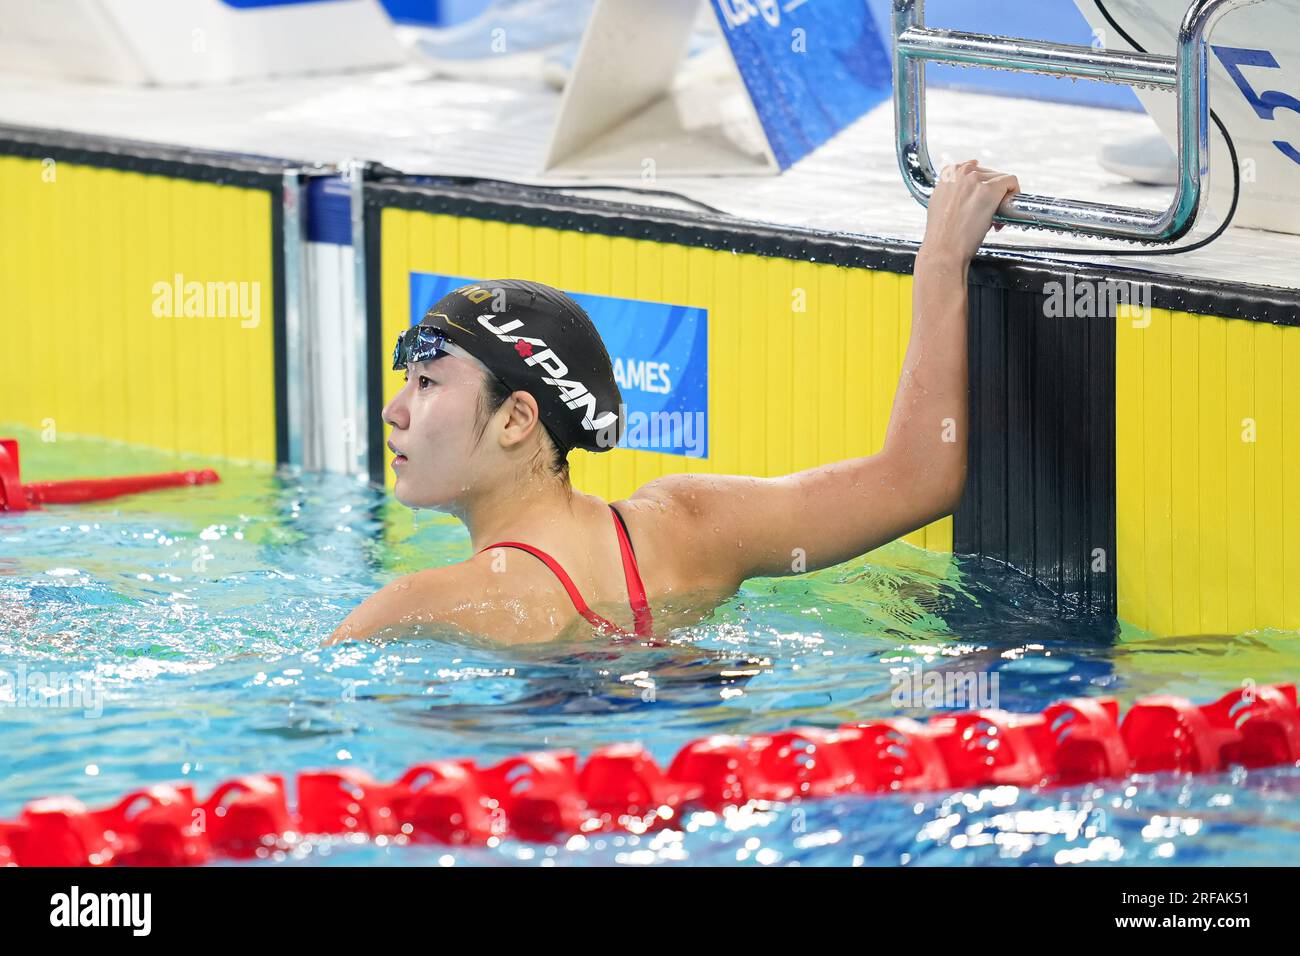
<point>420,343</point>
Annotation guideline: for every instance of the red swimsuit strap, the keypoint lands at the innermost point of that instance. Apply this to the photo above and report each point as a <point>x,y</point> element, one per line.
<point>635,589</point>
<point>574,594</point>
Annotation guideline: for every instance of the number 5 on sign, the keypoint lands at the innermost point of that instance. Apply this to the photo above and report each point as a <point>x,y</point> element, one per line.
<point>1265,103</point>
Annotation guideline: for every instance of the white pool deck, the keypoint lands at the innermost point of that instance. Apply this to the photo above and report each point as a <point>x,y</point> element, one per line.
<point>412,120</point>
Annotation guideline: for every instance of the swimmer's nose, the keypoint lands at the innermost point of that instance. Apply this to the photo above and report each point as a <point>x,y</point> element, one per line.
<point>394,413</point>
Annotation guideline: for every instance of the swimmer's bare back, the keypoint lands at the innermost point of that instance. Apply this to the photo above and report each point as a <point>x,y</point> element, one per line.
<point>698,537</point>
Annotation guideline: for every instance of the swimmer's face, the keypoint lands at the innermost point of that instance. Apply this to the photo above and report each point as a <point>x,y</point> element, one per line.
<point>434,421</point>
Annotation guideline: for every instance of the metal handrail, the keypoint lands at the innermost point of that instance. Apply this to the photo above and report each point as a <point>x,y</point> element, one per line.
<point>1184,73</point>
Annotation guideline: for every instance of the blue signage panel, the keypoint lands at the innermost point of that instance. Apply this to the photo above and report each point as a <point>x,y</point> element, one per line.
<point>811,67</point>
<point>661,362</point>
<point>254,4</point>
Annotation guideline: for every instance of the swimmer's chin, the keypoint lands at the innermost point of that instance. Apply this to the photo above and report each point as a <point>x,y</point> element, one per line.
<point>417,503</point>
<point>404,496</point>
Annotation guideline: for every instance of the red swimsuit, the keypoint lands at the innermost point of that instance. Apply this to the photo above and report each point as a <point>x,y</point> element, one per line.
<point>635,589</point>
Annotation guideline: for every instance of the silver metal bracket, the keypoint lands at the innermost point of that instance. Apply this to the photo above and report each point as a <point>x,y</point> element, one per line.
<point>1184,73</point>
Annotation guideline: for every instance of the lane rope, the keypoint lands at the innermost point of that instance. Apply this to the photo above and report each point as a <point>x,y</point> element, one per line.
<point>545,796</point>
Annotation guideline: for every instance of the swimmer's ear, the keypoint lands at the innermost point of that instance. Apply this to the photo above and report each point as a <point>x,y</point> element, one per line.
<point>522,418</point>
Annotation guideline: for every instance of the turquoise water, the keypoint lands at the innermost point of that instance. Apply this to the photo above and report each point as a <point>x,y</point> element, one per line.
<point>199,613</point>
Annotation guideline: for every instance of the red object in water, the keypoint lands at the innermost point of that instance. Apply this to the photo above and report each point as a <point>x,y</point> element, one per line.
<point>442,801</point>
<point>805,762</point>
<point>622,783</point>
<point>16,496</point>
<point>246,813</point>
<point>894,754</point>
<point>538,793</point>
<point>993,748</point>
<point>545,796</point>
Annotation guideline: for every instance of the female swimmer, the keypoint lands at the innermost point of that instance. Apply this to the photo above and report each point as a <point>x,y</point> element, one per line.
<point>504,378</point>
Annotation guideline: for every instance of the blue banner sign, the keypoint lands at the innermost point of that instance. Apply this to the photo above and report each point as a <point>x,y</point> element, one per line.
<point>255,4</point>
<point>812,67</point>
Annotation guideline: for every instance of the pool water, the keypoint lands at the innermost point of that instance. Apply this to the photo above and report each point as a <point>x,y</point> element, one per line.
<point>200,612</point>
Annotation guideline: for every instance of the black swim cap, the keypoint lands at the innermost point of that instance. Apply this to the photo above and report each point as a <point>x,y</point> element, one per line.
<point>538,340</point>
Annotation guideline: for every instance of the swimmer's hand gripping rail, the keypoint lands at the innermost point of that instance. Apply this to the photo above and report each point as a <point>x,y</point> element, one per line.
<point>1183,73</point>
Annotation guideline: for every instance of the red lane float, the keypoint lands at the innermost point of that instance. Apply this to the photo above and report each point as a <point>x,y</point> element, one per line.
<point>546,795</point>
<point>16,496</point>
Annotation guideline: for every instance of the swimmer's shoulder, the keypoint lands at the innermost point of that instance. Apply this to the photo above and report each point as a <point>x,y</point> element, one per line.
<point>676,520</point>
<point>406,605</point>
<point>482,596</point>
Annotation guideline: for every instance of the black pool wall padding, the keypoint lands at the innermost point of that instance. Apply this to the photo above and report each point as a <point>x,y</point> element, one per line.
<point>1039,495</point>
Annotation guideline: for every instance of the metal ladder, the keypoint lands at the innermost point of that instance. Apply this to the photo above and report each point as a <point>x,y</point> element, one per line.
<point>1183,73</point>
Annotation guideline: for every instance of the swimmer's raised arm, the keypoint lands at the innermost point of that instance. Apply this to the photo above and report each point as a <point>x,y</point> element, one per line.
<point>743,527</point>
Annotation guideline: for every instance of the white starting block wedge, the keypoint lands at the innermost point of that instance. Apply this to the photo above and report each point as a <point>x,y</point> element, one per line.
<point>786,77</point>
<point>193,41</point>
